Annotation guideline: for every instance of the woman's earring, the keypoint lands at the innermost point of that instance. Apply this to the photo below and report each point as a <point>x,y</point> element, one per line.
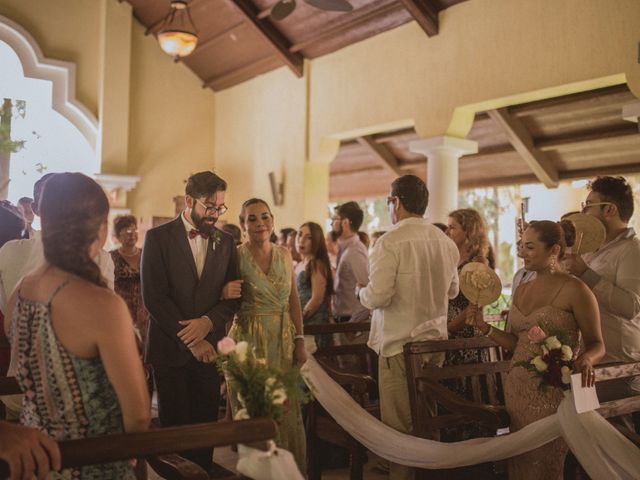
<point>552,265</point>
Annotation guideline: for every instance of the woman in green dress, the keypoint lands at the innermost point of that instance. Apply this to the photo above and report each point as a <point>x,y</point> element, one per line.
<point>270,316</point>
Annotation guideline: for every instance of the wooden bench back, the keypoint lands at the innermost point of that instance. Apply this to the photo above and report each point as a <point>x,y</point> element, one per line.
<point>484,380</point>
<point>157,446</point>
<point>366,359</point>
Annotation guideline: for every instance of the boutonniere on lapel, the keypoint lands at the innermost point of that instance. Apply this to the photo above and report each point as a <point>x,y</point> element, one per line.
<point>216,238</point>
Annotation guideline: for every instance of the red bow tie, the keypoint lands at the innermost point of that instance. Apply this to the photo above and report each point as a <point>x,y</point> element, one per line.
<point>193,233</point>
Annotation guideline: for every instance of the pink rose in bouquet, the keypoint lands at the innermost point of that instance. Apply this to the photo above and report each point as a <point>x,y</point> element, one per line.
<point>226,346</point>
<point>536,334</point>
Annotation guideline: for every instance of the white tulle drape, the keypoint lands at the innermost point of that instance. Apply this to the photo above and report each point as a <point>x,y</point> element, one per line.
<point>601,449</point>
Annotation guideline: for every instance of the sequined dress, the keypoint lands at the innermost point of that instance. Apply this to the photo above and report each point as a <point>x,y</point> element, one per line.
<point>65,396</point>
<point>263,320</point>
<point>526,402</point>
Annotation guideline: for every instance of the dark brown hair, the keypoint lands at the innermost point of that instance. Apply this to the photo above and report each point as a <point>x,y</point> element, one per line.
<point>248,203</point>
<point>73,208</point>
<point>617,191</point>
<point>352,212</point>
<point>412,192</point>
<point>204,184</point>
<point>320,256</point>
<point>550,233</point>
<point>123,221</point>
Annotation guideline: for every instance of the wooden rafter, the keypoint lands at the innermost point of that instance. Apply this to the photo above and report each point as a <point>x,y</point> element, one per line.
<point>215,39</point>
<point>229,78</point>
<point>382,154</point>
<point>424,12</point>
<point>272,35</point>
<point>522,142</point>
<point>351,22</point>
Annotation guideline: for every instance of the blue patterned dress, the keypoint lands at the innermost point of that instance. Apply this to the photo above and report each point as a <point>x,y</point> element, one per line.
<point>65,396</point>
<point>321,315</point>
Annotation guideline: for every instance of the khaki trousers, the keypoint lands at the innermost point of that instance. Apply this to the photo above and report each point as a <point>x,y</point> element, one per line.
<point>395,409</point>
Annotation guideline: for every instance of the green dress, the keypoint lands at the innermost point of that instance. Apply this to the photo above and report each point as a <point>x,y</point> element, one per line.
<point>264,322</point>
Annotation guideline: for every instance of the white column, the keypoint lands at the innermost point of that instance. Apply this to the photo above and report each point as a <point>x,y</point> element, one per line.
<point>442,155</point>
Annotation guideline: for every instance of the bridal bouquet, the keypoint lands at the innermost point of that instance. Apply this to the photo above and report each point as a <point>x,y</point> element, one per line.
<point>554,364</point>
<point>262,390</point>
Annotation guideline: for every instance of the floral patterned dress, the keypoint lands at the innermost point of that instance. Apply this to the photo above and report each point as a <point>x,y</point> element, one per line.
<point>65,396</point>
<point>263,320</point>
<point>127,285</point>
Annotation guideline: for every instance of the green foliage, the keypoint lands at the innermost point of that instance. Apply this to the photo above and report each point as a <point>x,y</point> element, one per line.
<point>262,390</point>
<point>6,144</point>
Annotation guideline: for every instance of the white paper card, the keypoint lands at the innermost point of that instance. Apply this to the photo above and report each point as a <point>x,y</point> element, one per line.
<point>586,399</point>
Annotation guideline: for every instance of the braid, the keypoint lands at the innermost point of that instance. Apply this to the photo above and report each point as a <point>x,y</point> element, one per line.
<point>73,209</point>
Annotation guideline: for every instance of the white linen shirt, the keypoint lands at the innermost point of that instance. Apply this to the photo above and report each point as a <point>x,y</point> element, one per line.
<point>614,277</point>
<point>19,257</point>
<point>413,274</point>
<point>198,246</point>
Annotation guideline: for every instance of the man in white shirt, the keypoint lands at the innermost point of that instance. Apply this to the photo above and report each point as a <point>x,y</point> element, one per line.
<point>613,274</point>
<point>413,274</point>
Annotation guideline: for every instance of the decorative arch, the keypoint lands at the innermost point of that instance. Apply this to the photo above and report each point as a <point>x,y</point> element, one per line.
<point>61,74</point>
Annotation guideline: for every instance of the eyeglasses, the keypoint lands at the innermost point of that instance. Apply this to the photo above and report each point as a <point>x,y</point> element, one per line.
<point>221,210</point>
<point>585,205</point>
<point>391,199</point>
<point>130,231</point>
<point>335,219</point>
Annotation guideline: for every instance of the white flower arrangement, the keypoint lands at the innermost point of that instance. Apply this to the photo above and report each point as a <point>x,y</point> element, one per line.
<point>555,363</point>
<point>261,390</point>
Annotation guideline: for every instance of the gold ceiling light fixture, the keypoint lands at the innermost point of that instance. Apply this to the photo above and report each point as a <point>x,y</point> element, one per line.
<point>177,36</point>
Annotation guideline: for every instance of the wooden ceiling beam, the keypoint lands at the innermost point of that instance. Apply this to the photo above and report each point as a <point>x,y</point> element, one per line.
<point>588,140</point>
<point>522,141</point>
<point>213,40</point>
<point>350,22</point>
<point>425,13</point>
<point>382,154</point>
<point>271,35</point>
<point>244,72</point>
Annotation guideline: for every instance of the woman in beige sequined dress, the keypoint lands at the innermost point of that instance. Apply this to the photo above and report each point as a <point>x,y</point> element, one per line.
<point>553,299</point>
<point>270,315</point>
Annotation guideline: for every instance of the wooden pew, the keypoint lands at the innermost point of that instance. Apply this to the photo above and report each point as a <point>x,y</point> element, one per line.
<point>486,405</point>
<point>151,444</point>
<point>361,383</point>
<point>156,446</point>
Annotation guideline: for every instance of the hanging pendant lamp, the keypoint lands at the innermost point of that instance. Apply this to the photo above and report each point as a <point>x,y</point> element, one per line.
<point>177,36</point>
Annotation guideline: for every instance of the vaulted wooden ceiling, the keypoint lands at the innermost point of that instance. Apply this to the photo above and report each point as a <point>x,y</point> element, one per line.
<point>574,136</point>
<point>238,40</point>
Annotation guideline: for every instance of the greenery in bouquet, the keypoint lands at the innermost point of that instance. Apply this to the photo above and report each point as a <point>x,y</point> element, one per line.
<point>553,364</point>
<point>262,390</point>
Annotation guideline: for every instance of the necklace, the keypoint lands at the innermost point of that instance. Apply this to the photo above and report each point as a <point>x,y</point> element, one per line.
<point>137,252</point>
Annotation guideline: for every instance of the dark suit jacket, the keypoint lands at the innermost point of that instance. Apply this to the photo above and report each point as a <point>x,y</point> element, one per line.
<point>172,291</point>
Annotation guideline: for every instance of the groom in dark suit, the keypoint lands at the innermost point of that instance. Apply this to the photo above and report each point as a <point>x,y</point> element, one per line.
<point>185,265</point>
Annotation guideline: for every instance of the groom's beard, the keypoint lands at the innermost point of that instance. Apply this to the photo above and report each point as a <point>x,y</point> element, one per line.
<point>203,224</point>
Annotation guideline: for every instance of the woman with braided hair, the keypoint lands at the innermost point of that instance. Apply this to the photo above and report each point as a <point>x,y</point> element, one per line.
<point>71,336</point>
